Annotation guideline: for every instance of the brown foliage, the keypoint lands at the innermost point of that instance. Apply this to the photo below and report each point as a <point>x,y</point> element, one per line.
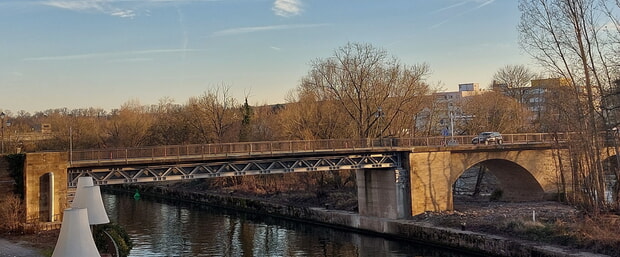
<point>11,213</point>
<point>493,111</point>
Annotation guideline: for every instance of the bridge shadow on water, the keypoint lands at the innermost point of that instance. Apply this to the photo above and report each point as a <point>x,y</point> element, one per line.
<point>193,229</point>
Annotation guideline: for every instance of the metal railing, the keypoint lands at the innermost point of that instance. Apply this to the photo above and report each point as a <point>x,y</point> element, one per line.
<point>172,152</point>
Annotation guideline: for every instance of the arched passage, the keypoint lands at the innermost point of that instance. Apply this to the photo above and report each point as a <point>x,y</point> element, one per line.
<point>514,183</point>
<point>524,174</point>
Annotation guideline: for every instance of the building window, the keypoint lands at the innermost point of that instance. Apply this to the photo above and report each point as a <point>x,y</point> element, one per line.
<point>536,100</point>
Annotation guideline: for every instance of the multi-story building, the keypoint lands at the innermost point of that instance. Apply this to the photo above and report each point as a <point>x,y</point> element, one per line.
<point>539,98</point>
<point>535,96</point>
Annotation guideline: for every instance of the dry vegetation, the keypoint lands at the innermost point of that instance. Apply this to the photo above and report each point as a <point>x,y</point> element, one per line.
<point>553,223</point>
<point>15,229</point>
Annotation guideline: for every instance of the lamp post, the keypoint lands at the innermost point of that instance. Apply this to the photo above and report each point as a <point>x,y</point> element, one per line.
<point>452,142</point>
<point>379,116</point>
<point>70,145</point>
<point>2,115</point>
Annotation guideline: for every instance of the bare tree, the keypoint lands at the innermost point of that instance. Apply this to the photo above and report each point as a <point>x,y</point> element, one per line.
<point>268,125</point>
<point>371,88</point>
<point>307,118</point>
<point>565,36</point>
<point>214,114</point>
<point>493,111</point>
<point>512,79</point>
<point>128,127</point>
<point>170,126</point>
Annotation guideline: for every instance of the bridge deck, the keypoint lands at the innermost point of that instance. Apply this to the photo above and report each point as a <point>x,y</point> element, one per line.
<point>114,166</point>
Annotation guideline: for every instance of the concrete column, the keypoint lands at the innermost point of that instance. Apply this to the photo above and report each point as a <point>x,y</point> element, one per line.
<point>403,195</point>
<point>383,193</point>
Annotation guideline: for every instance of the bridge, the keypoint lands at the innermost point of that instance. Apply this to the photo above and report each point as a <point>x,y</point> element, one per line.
<point>396,177</point>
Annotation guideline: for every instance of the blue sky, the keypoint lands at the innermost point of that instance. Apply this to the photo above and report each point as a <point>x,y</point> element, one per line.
<point>103,53</point>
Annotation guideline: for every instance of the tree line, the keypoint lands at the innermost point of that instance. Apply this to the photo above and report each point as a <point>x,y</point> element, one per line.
<point>358,92</point>
<point>361,91</point>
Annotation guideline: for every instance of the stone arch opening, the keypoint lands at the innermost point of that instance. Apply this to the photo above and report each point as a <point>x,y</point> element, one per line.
<point>497,180</point>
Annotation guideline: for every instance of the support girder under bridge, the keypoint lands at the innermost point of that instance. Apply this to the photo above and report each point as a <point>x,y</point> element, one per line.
<point>107,174</point>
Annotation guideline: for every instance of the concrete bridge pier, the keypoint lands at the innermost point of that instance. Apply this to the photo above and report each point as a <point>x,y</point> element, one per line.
<point>383,193</point>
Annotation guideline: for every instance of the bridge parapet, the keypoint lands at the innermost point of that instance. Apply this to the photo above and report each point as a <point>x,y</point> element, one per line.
<point>201,151</point>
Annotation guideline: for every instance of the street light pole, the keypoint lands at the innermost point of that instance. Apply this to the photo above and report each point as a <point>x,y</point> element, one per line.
<point>70,145</point>
<point>2,115</point>
<point>452,126</point>
<point>379,116</point>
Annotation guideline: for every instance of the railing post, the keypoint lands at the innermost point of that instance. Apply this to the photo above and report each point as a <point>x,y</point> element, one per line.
<point>526,139</point>
<point>98,156</point>
<point>126,156</point>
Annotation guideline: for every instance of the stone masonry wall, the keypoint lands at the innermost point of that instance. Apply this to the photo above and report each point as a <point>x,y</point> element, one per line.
<point>36,166</point>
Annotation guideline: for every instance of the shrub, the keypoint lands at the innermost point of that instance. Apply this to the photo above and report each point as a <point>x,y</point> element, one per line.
<point>11,213</point>
<point>117,233</point>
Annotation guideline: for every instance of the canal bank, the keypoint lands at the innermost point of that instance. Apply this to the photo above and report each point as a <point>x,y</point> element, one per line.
<point>421,232</point>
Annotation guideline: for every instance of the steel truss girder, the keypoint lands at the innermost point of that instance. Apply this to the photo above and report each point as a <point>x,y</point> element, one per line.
<point>107,175</point>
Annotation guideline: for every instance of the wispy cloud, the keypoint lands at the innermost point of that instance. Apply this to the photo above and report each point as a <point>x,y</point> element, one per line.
<point>130,60</point>
<point>244,30</point>
<point>118,8</point>
<point>483,3</point>
<point>287,8</point>
<point>449,7</point>
<point>99,6</point>
<point>478,4</point>
<point>109,54</point>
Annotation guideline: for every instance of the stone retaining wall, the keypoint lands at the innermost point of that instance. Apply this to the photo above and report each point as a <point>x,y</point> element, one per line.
<point>420,232</point>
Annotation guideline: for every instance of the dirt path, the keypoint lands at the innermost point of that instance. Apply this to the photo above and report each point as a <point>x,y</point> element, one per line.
<point>12,249</point>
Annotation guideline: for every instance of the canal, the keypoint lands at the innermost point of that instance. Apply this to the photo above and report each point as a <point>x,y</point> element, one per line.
<point>167,228</point>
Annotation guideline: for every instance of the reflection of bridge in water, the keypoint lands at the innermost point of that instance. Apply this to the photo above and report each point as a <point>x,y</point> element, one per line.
<point>396,177</point>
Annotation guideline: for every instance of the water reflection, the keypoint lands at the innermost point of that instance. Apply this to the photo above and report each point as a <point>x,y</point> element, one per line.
<point>160,228</point>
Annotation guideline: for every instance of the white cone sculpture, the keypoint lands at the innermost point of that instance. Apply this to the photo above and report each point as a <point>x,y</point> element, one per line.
<point>89,197</point>
<point>75,238</point>
<point>82,182</point>
<point>85,181</point>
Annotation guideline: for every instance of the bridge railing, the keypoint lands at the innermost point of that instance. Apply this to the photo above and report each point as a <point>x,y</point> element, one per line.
<point>532,138</point>
<point>248,148</point>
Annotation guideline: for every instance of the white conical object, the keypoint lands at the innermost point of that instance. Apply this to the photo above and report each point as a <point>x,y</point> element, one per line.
<point>75,238</point>
<point>82,182</point>
<point>85,181</point>
<point>89,197</point>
